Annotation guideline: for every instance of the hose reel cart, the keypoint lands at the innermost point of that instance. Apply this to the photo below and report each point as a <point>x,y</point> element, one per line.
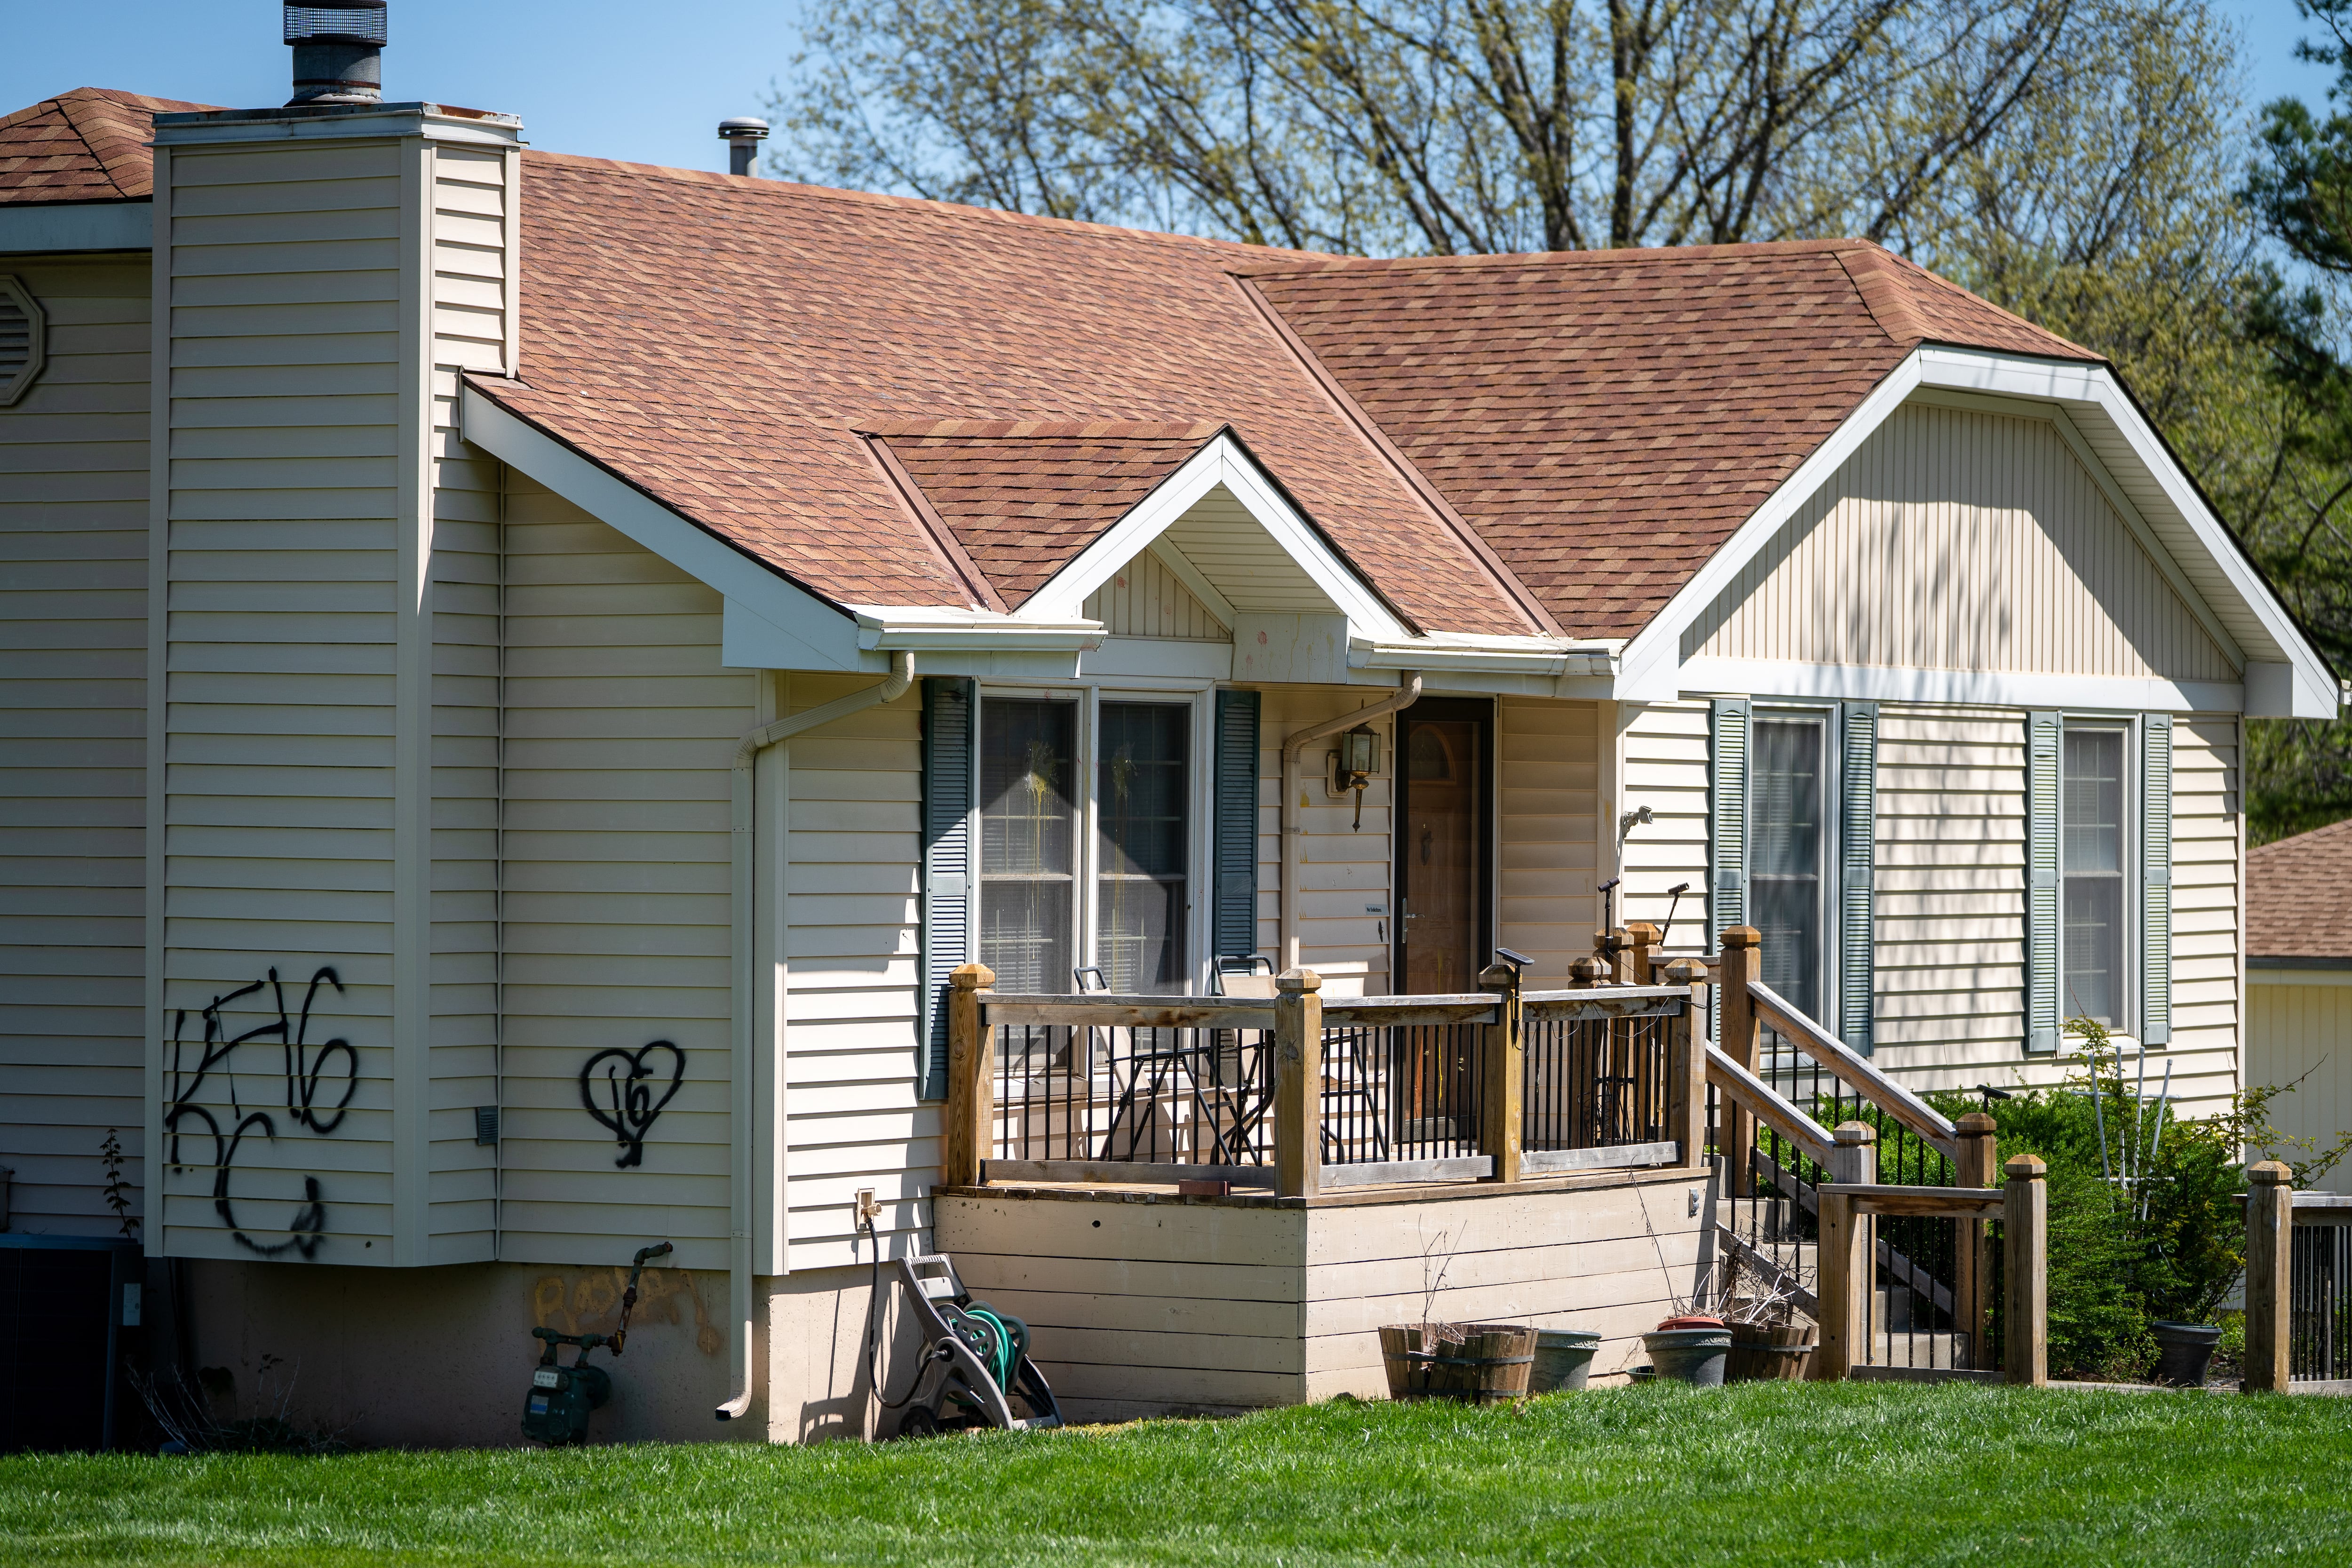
<point>977,1366</point>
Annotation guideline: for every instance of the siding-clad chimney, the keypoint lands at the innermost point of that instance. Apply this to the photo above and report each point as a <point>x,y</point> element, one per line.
<point>328,548</point>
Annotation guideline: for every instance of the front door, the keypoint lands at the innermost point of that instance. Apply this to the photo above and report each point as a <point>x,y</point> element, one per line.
<point>1443,828</point>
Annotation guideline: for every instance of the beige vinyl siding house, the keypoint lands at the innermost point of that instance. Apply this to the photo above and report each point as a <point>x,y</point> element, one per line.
<point>612,707</point>
<point>2299,988</point>
<point>73,658</point>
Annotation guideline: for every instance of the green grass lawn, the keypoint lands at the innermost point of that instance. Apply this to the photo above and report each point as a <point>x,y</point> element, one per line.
<point>1762,1473</point>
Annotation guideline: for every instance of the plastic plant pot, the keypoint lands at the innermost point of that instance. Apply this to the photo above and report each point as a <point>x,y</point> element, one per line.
<point>1563,1360</point>
<point>1694,1356</point>
<point>2183,1352</point>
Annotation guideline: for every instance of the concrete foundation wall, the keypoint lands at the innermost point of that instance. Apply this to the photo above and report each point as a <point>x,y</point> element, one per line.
<point>442,1357</point>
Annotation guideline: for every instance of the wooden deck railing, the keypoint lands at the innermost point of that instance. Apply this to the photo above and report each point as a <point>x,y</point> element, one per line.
<point>1302,1094</point>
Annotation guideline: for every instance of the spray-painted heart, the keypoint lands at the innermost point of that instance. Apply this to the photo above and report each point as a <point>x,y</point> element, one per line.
<point>632,1099</point>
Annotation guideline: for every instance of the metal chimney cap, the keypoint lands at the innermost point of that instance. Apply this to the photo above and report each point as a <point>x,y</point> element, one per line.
<point>742,128</point>
<point>350,22</point>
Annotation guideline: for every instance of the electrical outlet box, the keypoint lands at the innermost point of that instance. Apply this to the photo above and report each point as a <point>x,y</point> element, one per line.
<point>866,1207</point>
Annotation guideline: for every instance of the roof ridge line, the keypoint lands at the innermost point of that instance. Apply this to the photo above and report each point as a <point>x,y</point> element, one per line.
<point>1415,481</point>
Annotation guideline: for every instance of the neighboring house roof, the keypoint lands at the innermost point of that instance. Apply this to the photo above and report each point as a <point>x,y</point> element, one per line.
<point>87,145</point>
<point>1601,420</point>
<point>2299,895</point>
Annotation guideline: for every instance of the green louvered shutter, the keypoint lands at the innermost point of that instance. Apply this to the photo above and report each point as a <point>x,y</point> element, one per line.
<point>2041,738</point>
<point>1232,923</point>
<point>1858,838</point>
<point>1727,881</point>
<point>948,774</point>
<point>2156,880</point>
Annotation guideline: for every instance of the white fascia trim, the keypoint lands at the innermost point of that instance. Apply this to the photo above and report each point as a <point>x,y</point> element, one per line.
<point>1502,655</point>
<point>795,624</point>
<point>1222,461</point>
<point>1970,688</point>
<point>38,230</point>
<point>893,627</point>
<point>2093,387</point>
<point>1649,670</point>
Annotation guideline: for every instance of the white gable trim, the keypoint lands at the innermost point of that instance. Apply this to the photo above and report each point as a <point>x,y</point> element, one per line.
<point>1179,566</point>
<point>1221,462</point>
<point>2284,674</point>
<point>821,635</point>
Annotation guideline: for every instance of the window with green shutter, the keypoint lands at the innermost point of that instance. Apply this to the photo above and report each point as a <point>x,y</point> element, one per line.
<point>1233,921</point>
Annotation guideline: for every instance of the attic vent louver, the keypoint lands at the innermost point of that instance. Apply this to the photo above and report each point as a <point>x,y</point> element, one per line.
<point>20,340</point>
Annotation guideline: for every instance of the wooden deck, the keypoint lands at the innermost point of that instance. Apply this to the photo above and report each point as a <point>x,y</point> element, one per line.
<point>1143,1303</point>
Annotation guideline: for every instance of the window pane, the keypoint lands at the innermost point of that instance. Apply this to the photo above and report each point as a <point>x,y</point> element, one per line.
<point>2092,940</point>
<point>1028,828</point>
<point>1140,800</point>
<point>2092,837</point>
<point>2091,855</point>
<point>1784,857</point>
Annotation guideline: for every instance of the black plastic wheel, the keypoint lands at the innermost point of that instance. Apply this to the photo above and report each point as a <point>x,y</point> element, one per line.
<point>919,1422</point>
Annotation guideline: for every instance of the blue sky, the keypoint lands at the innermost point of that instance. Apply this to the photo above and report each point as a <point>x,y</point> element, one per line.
<point>642,79</point>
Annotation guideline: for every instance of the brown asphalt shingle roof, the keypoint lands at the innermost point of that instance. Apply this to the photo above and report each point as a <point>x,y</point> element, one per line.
<point>1022,499</point>
<point>1495,442</point>
<point>87,145</point>
<point>1606,419</point>
<point>716,340</point>
<point>2299,895</point>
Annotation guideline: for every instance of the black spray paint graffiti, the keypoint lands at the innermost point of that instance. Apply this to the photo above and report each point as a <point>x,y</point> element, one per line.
<point>306,1071</point>
<point>634,1106</point>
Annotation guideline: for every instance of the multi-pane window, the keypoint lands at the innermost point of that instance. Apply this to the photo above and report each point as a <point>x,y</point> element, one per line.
<point>1034,778</point>
<point>1140,801</point>
<point>2091,871</point>
<point>1028,841</point>
<point>1785,848</point>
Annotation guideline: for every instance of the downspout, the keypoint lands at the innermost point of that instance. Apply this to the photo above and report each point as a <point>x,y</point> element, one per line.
<point>742,1086</point>
<point>1408,693</point>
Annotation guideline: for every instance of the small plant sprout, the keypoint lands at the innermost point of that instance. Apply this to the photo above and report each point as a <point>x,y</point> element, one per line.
<point>118,1196</point>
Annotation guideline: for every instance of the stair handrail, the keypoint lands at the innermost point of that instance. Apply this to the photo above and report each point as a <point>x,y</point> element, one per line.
<point>1768,1105</point>
<point>1833,1053</point>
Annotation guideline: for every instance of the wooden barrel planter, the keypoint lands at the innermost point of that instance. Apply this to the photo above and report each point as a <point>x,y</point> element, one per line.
<point>1769,1352</point>
<point>1478,1363</point>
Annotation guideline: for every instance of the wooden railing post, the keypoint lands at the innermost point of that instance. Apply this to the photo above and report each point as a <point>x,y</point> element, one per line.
<point>1615,949</point>
<point>2025,1268</point>
<point>1846,1256</point>
<point>2270,1265</point>
<point>1972,1259</point>
<point>972,1076</point>
<point>1687,1064</point>
<point>1743,961</point>
<point>1644,938</point>
<point>1297,1083</point>
<point>1503,1065</point>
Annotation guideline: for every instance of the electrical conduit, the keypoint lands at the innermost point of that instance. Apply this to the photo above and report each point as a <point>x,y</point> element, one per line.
<point>1293,830</point>
<point>741,1130</point>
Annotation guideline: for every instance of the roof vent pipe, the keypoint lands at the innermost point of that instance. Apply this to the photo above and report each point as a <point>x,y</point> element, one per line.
<point>337,52</point>
<point>743,136</point>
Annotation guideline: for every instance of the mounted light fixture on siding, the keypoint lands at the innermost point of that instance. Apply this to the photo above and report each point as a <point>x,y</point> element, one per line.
<point>1354,763</point>
<point>337,52</point>
<point>22,330</point>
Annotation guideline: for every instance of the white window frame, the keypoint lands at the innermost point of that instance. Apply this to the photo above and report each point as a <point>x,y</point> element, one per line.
<point>1831,888</point>
<point>1200,786</point>
<point>2130,874</point>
